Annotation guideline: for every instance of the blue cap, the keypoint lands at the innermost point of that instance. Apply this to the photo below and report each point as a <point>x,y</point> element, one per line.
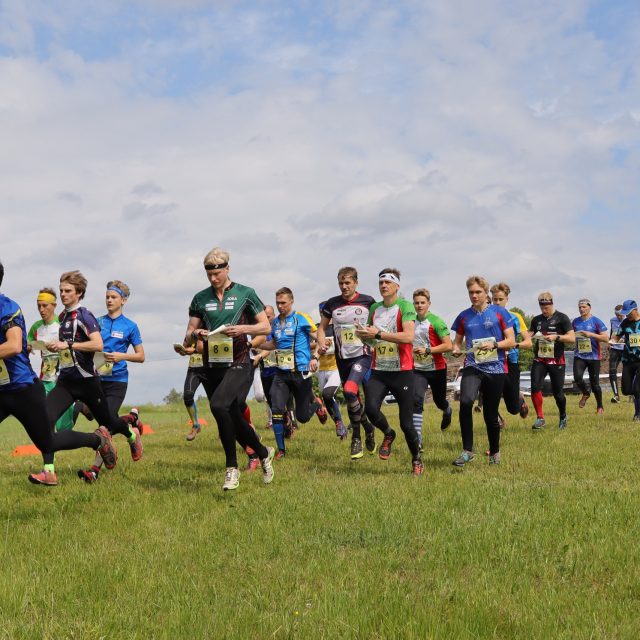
<point>628,306</point>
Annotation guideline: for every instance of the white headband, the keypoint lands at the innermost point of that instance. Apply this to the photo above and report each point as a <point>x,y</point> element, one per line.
<point>391,277</point>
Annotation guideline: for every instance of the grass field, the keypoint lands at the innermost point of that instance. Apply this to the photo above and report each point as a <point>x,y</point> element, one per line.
<point>543,546</point>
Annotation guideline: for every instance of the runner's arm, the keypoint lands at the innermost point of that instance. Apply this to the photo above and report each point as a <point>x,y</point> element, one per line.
<point>13,345</point>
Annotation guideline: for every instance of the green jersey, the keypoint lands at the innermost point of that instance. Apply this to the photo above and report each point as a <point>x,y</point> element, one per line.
<point>239,305</point>
<point>46,333</point>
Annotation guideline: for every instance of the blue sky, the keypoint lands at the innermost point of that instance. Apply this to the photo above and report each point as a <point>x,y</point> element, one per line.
<point>445,138</point>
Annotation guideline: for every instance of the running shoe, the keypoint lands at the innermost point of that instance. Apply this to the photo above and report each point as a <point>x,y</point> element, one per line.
<point>135,422</point>
<point>583,400</point>
<point>524,409</point>
<point>106,448</point>
<point>495,458</point>
<point>600,411</point>
<point>341,430</point>
<point>253,463</point>
<point>46,478</point>
<point>636,418</point>
<point>321,412</point>
<point>286,423</point>
<point>418,467</point>
<point>88,475</point>
<point>356,449</point>
<point>477,408</point>
<point>385,448</point>
<point>463,458</point>
<point>538,424</point>
<point>501,422</point>
<point>615,399</point>
<point>563,423</point>
<point>280,453</point>
<point>231,479</point>
<point>446,418</point>
<point>267,467</point>
<point>136,446</point>
<point>193,433</point>
<point>269,425</point>
<point>370,441</point>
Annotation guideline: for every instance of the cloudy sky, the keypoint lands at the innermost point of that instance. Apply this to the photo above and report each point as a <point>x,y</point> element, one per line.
<point>443,137</point>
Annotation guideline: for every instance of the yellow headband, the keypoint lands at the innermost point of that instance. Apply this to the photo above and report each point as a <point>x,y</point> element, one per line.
<point>46,297</point>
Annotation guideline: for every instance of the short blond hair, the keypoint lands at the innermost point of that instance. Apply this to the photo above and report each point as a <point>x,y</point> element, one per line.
<point>120,285</point>
<point>501,286</point>
<point>76,279</point>
<point>480,281</point>
<point>545,295</point>
<point>422,292</point>
<point>216,256</point>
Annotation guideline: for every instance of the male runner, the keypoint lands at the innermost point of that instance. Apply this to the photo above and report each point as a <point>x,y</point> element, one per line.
<point>629,333</point>
<point>590,332</point>
<point>550,330</point>
<point>345,312</point>
<point>615,353</point>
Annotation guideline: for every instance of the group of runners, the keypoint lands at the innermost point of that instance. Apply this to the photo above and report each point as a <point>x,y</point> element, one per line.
<point>370,348</point>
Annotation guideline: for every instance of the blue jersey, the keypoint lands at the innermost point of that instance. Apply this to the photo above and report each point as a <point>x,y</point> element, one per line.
<point>117,335</point>
<point>630,332</point>
<point>478,327</point>
<point>292,337</point>
<point>514,354</point>
<point>615,323</point>
<point>15,372</point>
<point>588,348</point>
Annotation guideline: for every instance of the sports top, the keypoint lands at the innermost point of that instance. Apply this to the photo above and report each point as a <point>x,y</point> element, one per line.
<point>519,327</point>
<point>76,326</point>
<point>556,324</point>
<point>292,337</point>
<point>588,348</point>
<point>345,314</point>
<point>390,356</point>
<point>15,372</point>
<point>615,323</point>
<point>327,360</point>
<point>117,334</point>
<point>479,327</point>
<point>47,333</point>
<point>630,331</point>
<point>239,305</point>
<point>429,333</point>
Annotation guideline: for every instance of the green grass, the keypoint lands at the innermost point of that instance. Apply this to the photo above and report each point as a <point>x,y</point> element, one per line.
<point>543,546</point>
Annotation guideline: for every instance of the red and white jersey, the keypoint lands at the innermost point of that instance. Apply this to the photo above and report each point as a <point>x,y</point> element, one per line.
<point>346,314</point>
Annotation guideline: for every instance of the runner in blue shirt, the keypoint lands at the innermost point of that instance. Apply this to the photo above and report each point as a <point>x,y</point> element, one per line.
<point>589,332</point>
<point>629,334</point>
<point>292,333</point>
<point>118,334</point>
<point>487,330</point>
<point>615,354</point>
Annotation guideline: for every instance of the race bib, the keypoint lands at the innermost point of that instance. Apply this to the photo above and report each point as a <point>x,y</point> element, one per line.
<point>271,360</point>
<point>106,369</point>
<point>481,354</point>
<point>634,340</point>
<point>348,336</point>
<point>220,349</point>
<point>545,349</point>
<point>424,361</point>
<point>584,345</point>
<point>285,359</point>
<point>387,356</point>
<point>196,361</point>
<point>66,359</point>
<point>49,367</point>
<point>4,373</point>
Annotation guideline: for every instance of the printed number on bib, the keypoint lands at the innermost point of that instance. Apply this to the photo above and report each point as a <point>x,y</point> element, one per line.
<point>195,360</point>
<point>634,340</point>
<point>285,359</point>
<point>423,361</point>
<point>349,337</point>
<point>387,356</point>
<point>4,373</point>
<point>66,359</point>
<point>545,349</point>
<point>584,345</point>
<point>106,369</point>
<point>220,349</point>
<point>49,367</point>
<point>484,355</point>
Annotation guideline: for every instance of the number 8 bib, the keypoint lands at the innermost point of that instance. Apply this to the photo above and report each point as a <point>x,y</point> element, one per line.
<point>220,349</point>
